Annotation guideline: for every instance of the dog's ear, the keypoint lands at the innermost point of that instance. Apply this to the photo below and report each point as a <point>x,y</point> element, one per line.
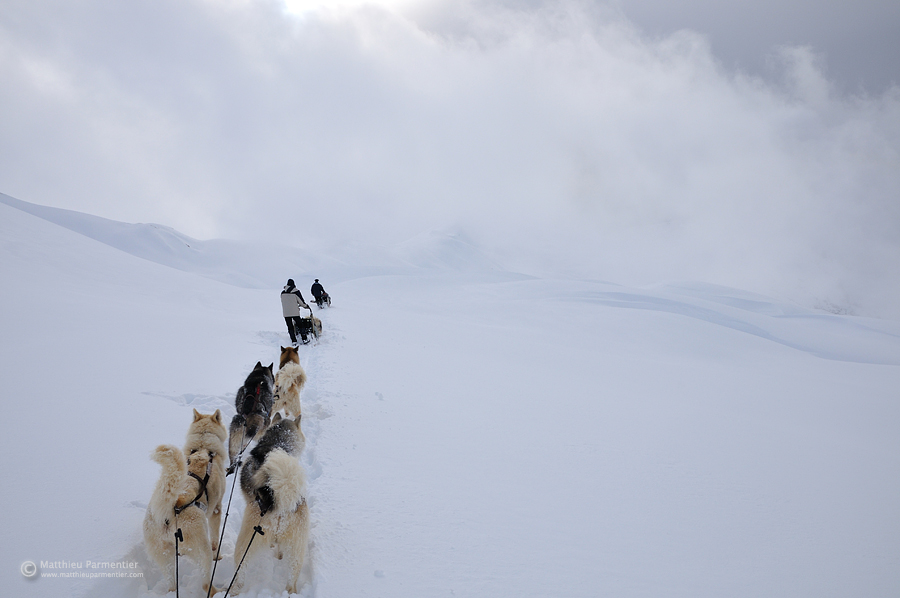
<point>197,415</point>
<point>270,367</point>
<point>258,365</point>
<point>277,418</point>
<point>217,416</point>
<point>297,419</point>
<point>282,349</point>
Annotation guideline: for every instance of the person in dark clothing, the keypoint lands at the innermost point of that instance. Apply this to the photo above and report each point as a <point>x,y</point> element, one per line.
<point>291,302</point>
<point>318,291</point>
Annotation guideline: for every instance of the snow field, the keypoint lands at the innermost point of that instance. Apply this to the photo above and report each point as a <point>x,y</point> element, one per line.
<point>468,433</point>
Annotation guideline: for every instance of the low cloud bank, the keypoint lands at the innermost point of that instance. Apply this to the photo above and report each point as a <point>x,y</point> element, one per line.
<point>558,137</point>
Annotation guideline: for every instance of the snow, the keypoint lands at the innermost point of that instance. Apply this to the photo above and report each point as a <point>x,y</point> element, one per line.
<point>470,431</point>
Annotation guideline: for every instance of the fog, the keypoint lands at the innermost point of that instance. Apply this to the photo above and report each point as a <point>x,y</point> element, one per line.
<point>558,137</point>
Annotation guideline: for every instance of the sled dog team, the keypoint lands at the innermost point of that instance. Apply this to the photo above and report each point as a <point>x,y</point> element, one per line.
<point>192,484</point>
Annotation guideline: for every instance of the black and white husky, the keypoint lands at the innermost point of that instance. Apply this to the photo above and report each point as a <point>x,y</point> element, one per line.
<point>274,484</point>
<point>284,434</point>
<point>253,404</point>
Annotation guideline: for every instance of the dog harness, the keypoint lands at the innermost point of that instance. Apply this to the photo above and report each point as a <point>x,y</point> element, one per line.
<point>202,490</point>
<point>255,396</point>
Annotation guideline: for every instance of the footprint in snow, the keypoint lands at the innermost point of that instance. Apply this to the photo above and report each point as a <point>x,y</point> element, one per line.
<point>276,340</point>
<point>315,410</point>
<point>202,403</point>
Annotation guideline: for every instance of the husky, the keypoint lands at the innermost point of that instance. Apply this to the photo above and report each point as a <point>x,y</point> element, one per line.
<point>253,404</point>
<point>288,355</point>
<point>280,509</point>
<point>178,502</point>
<point>284,434</point>
<point>317,325</point>
<point>289,382</point>
<point>207,433</point>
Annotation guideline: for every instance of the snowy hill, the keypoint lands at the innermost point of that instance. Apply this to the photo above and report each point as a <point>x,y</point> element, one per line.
<point>263,266</point>
<point>445,251</point>
<point>467,435</point>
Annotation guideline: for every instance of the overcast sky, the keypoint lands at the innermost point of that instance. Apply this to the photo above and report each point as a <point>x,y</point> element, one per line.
<point>858,40</point>
<point>753,144</point>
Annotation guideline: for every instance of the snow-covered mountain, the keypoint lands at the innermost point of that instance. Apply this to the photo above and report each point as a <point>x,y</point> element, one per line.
<point>470,432</point>
<point>264,265</point>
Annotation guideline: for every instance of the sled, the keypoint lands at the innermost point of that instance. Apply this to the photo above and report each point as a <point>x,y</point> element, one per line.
<point>323,300</point>
<point>307,327</point>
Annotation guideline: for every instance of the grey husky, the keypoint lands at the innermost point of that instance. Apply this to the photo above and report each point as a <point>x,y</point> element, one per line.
<point>284,434</point>
<point>253,404</point>
<point>274,485</point>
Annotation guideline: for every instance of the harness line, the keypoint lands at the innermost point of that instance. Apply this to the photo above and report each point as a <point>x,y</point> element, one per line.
<point>257,529</point>
<point>178,536</point>
<point>225,521</point>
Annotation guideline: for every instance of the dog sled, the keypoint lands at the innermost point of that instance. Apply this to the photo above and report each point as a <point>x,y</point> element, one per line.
<point>310,326</point>
<point>323,300</point>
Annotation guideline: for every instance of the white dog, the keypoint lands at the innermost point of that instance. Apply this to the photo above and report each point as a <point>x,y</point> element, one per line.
<point>177,488</point>
<point>289,382</point>
<point>208,433</point>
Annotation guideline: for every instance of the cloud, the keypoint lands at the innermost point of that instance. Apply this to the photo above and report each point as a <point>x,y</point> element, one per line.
<point>854,37</point>
<point>557,135</point>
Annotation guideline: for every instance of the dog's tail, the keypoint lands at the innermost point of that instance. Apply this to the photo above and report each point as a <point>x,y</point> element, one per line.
<point>285,478</point>
<point>171,480</point>
<point>291,374</point>
<point>255,424</point>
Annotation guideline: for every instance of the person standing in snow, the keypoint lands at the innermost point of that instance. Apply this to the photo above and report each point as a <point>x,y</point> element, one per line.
<point>319,293</point>
<point>291,302</point>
